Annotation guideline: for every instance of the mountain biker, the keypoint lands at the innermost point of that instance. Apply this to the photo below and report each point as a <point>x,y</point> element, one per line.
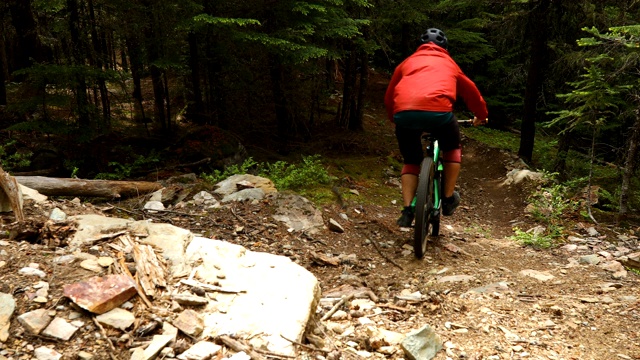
<point>420,98</point>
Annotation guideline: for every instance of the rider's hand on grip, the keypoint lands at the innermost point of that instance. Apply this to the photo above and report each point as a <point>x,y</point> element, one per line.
<point>477,122</point>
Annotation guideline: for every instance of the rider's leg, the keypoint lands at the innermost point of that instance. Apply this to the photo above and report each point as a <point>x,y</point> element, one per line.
<point>409,187</point>
<point>451,172</point>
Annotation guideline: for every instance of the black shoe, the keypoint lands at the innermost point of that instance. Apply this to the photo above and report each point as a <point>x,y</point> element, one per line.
<point>406,218</point>
<point>450,204</point>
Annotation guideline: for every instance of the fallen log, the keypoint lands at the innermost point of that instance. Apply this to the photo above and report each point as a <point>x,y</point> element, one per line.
<point>89,188</point>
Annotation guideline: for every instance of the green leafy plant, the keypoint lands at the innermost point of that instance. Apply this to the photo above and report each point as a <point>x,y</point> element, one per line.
<point>216,176</point>
<point>539,237</point>
<point>12,160</point>
<point>548,206</point>
<point>284,175</point>
<point>124,171</point>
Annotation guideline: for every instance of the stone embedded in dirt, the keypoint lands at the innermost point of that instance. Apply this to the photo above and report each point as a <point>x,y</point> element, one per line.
<point>150,352</point>
<point>421,344</point>
<point>154,205</point>
<point>516,176</point>
<point>101,294</point>
<point>456,278</point>
<point>45,353</point>
<point>57,215</point>
<point>59,328</point>
<point>190,300</point>
<point>592,259</point>
<point>35,321</point>
<point>117,318</point>
<point>30,271</point>
<point>335,226</point>
<point>189,322</point>
<point>202,350</point>
<point>592,231</point>
<point>243,195</point>
<point>91,265</point>
<point>297,213</point>
<point>230,185</point>
<point>7,307</point>
<point>538,275</point>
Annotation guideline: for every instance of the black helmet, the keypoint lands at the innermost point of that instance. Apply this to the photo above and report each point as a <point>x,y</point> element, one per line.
<point>435,36</point>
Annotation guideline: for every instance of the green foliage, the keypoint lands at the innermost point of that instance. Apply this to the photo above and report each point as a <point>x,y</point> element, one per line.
<point>247,167</point>
<point>12,159</point>
<point>285,176</point>
<point>541,238</point>
<point>124,171</point>
<point>550,206</point>
<point>296,176</point>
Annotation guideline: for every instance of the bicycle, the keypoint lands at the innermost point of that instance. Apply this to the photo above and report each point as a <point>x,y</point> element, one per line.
<point>428,200</point>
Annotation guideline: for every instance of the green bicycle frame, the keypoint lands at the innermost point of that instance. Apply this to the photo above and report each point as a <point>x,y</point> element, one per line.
<point>436,185</point>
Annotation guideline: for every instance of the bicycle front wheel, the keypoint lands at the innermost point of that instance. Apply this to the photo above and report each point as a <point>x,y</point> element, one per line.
<point>424,207</point>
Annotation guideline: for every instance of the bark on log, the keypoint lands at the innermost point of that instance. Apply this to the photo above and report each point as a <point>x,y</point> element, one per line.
<point>12,192</point>
<point>90,188</point>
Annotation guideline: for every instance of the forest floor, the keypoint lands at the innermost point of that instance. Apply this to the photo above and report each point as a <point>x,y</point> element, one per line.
<point>471,286</point>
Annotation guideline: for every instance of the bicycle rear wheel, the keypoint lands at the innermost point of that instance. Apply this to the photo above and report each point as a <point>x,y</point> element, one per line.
<point>424,207</point>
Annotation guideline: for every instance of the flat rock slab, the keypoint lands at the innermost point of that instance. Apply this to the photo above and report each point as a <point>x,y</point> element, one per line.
<point>101,294</point>
<point>278,297</point>
<point>297,212</point>
<point>171,239</point>
<point>7,307</point>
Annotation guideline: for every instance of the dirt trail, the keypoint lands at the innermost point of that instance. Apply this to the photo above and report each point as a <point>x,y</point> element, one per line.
<point>473,280</point>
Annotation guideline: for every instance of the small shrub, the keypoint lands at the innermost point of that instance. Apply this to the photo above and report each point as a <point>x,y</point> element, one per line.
<point>124,171</point>
<point>539,237</point>
<point>284,175</point>
<point>13,160</point>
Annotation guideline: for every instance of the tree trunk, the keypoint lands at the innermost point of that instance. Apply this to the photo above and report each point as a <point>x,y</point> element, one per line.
<point>135,59</point>
<point>28,44</point>
<point>356,122</point>
<point>158,95</point>
<point>3,86</point>
<point>101,56</point>
<point>91,188</point>
<point>283,117</point>
<point>349,91</point>
<point>629,168</point>
<point>538,62</point>
<point>78,59</point>
<point>560,165</point>
<point>11,191</point>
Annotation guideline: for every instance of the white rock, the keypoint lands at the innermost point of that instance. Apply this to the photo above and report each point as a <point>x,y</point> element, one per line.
<point>45,353</point>
<point>202,350</point>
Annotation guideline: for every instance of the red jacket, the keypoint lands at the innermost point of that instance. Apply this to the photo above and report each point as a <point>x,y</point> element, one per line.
<point>430,80</point>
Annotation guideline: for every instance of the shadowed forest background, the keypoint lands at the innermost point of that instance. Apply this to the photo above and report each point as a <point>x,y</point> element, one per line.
<point>93,88</point>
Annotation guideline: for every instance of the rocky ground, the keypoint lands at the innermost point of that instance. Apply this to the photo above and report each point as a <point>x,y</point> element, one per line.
<point>484,295</point>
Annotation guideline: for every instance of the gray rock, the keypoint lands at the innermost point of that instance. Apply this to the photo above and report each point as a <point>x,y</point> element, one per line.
<point>335,226</point>
<point>298,213</point>
<point>7,307</point>
<point>246,194</point>
<point>229,186</point>
<point>57,215</point>
<point>45,353</point>
<point>189,322</point>
<point>538,275</point>
<point>59,328</point>
<point>202,350</point>
<point>592,259</point>
<point>456,278</point>
<point>154,205</point>
<point>35,321</point>
<point>117,318</point>
<point>421,344</point>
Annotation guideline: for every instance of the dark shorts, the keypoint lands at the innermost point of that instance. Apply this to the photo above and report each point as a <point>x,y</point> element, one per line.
<point>411,124</point>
